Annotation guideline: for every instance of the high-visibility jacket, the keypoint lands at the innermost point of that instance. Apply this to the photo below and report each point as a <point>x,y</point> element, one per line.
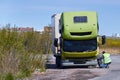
<point>107,58</point>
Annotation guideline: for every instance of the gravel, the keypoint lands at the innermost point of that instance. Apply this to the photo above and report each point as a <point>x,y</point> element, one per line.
<point>79,73</point>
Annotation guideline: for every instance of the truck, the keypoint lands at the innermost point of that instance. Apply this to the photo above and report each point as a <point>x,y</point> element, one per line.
<point>75,38</point>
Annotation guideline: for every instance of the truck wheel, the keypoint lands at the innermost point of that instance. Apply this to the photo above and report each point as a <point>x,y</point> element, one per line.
<point>58,61</point>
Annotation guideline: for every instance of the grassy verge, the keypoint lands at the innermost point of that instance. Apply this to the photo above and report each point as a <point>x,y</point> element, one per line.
<point>21,53</point>
<point>112,46</point>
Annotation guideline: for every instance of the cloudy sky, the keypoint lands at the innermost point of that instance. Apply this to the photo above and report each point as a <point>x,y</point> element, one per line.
<point>37,13</point>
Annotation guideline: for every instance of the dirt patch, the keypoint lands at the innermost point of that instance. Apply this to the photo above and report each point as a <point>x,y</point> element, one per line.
<point>68,73</point>
<point>64,74</point>
<point>82,75</point>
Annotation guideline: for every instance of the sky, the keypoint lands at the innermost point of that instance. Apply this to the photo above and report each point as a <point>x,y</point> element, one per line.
<point>37,13</point>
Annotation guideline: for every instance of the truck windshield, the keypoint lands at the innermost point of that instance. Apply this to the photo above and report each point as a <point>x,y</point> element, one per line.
<point>80,46</point>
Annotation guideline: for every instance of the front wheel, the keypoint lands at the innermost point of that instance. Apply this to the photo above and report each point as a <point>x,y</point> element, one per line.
<point>58,61</point>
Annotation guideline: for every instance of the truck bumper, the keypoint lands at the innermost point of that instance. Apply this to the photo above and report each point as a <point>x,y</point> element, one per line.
<point>80,55</point>
<point>87,63</point>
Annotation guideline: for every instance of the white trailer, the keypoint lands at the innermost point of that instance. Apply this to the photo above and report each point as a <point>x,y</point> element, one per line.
<point>55,31</point>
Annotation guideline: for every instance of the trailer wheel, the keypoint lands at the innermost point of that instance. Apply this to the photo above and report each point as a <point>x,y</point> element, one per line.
<point>58,61</point>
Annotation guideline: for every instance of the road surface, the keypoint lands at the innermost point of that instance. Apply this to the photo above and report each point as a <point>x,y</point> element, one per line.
<point>113,73</point>
<point>80,73</point>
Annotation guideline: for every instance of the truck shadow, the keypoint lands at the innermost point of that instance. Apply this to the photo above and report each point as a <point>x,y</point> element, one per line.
<point>53,66</point>
<point>50,66</point>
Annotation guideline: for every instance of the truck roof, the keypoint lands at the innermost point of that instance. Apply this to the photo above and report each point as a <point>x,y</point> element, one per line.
<point>79,25</point>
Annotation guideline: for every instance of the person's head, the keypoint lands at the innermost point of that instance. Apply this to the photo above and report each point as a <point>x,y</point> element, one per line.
<point>103,52</point>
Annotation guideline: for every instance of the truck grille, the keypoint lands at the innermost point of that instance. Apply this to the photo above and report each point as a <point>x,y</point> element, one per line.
<point>80,33</point>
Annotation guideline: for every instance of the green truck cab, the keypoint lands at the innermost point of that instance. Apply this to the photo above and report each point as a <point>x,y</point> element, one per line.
<point>78,41</point>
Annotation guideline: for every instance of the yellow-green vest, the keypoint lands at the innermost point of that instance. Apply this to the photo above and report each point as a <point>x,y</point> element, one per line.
<point>107,58</point>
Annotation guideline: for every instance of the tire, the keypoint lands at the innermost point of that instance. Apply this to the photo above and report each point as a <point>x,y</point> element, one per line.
<point>58,61</point>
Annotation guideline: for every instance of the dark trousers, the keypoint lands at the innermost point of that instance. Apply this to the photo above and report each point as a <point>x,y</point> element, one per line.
<point>99,62</point>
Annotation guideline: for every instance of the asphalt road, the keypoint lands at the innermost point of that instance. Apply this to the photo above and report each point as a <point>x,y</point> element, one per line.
<point>80,73</point>
<point>113,73</point>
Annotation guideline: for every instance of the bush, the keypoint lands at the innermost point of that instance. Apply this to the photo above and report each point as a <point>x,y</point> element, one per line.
<point>112,45</point>
<point>22,52</point>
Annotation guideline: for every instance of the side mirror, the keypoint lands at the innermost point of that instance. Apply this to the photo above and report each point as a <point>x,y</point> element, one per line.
<point>103,39</point>
<point>56,42</point>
